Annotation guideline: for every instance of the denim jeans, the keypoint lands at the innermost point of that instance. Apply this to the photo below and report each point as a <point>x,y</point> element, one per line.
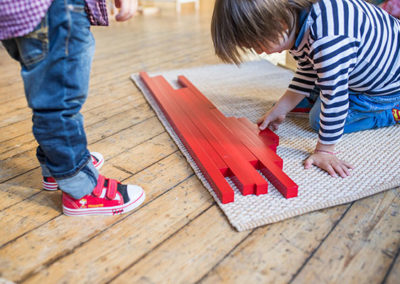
<point>55,63</point>
<point>365,112</point>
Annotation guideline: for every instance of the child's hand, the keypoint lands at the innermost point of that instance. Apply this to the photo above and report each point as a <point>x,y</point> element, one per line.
<point>127,8</point>
<point>325,159</point>
<point>271,119</point>
<point>277,114</point>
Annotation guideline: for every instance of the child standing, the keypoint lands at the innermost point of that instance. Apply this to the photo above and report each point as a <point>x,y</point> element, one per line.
<point>52,41</point>
<point>347,53</point>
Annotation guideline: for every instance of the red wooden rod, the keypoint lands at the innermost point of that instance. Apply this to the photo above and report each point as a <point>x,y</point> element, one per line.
<point>246,178</point>
<point>270,163</point>
<point>160,90</point>
<point>252,137</point>
<point>208,129</point>
<point>266,135</point>
<point>274,173</point>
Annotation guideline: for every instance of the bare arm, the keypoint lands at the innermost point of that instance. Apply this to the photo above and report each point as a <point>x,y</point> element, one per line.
<point>323,156</point>
<point>277,114</point>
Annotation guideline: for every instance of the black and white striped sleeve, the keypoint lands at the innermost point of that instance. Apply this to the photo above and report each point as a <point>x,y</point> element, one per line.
<point>304,79</point>
<point>334,57</point>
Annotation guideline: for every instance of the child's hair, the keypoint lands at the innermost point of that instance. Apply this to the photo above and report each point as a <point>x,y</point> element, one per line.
<point>240,24</point>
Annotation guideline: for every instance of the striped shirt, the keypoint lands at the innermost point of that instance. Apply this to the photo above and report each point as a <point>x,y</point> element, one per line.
<point>18,18</point>
<point>348,46</point>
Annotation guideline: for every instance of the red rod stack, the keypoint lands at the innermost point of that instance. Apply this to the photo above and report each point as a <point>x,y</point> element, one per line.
<point>221,146</point>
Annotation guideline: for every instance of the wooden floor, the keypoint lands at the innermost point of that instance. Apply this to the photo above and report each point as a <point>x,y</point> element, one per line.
<point>179,235</point>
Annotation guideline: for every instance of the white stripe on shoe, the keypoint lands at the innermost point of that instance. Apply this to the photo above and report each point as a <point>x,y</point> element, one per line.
<point>108,211</point>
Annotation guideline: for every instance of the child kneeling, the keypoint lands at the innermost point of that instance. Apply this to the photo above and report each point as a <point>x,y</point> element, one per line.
<point>346,77</point>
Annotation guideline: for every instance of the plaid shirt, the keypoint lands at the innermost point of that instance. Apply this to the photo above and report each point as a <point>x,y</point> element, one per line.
<point>20,17</point>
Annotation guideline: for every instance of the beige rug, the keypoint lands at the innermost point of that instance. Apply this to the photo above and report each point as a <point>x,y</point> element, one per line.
<point>247,92</point>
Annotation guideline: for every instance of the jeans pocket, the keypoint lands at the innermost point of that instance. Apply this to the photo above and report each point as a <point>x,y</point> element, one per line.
<point>34,46</point>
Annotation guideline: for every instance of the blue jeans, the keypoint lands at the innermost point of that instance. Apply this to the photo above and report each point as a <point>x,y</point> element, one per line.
<point>55,67</point>
<point>365,112</point>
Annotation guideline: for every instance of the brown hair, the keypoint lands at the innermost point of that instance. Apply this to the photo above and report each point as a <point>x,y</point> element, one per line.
<point>240,24</point>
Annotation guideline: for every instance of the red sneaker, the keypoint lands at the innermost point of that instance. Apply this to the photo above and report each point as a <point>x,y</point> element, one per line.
<point>109,197</point>
<point>49,183</point>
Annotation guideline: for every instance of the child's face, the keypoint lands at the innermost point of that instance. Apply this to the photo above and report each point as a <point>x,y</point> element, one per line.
<point>285,43</point>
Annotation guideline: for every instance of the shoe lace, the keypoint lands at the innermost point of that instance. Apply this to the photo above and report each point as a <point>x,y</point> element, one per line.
<point>111,186</point>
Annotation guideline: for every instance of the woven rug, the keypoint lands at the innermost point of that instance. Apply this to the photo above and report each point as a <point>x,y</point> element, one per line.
<point>249,91</point>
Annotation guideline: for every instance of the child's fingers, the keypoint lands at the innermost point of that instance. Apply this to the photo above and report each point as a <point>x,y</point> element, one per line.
<point>331,170</point>
<point>274,126</point>
<point>330,164</point>
<point>123,10</point>
<point>340,170</point>
<point>308,163</point>
<point>346,169</point>
<point>126,10</point>
<point>264,124</point>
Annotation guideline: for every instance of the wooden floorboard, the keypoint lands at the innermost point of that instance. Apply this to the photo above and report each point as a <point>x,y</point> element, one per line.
<point>179,235</point>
